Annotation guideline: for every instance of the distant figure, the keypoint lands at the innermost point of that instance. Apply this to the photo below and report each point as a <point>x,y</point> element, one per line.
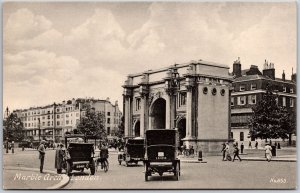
<point>59,158</point>
<point>224,151</point>
<point>228,157</point>
<point>242,147</point>
<point>278,145</point>
<point>236,153</point>
<point>256,144</point>
<point>250,145</point>
<point>268,150</point>
<point>42,152</point>
<point>192,150</point>
<point>270,142</point>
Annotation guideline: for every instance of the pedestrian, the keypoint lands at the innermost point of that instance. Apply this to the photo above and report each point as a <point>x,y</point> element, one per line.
<point>268,150</point>
<point>242,147</point>
<point>278,146</point>
<point>227,150</point>
<point>192,150</point>
<point>256,144</point>
<point>250,145</point>
<point>59,158</point>
<point>236,153</point>
<point>103,155</point>
<point>224,151</point>
<point>42,153</point>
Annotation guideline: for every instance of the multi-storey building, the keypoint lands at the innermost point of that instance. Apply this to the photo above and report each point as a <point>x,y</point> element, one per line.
<point>54,120</point>
<point>248,88</point>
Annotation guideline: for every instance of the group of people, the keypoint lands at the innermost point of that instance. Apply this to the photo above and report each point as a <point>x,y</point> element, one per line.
<point>62,155</point>
<point>186,152</point>
<point>226,152</point>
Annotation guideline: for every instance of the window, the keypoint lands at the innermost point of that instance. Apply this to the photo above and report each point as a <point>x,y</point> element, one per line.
<point>57,116</point>
<point>283,101</point>
<point>25,124</point>
<point>48,112</point>
<point>231,135</point>
<point>284,89</point>
<point>242,100</point>
<point>137,104</point>
<point>291,90</point>
<point>57,123</point>
<point>48,123</point>
<point>242,87</point>
<point>182,99</point>
<point>43,123</point>
<point>241,136</point>
<point>57,110</point>
<point>232,101</point>
<point>48,116</point>
<point>253,86</point>
<point>67,115</point>
<point>108,120</point>
<point>67,122</point>
<point>252,99</point>
<point>291,102</point>
<point>108,130</point>
<point>108,113</point>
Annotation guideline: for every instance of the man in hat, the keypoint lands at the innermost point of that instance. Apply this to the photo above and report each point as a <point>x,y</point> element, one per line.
<point>42,152</point>
<point>59,158</point>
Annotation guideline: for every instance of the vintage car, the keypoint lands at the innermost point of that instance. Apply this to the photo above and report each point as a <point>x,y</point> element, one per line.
<point>134,151</point>
<point>79,155</point>
<point>161,152</point>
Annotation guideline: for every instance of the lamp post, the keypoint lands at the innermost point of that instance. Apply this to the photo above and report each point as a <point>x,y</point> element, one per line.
<point>6,144</point>
<point>39,124</point>
<point>172,85</point>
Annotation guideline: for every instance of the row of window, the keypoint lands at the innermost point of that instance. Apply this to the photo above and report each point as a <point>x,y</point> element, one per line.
<point>254,87</point>
<point>50,123</point>
<point>241,100</point>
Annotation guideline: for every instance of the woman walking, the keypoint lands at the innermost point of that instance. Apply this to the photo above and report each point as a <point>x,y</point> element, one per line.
<point>268,150</point>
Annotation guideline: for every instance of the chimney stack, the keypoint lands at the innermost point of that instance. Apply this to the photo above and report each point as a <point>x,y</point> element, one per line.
<point>283,76</point>
<point>293,77</point>
<point>269,70</point>
<point>237,68</point>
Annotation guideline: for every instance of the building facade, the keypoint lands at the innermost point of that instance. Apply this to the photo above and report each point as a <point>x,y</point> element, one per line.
<point>54,120</point>
<point>193,98</point>
<point>249,85</point>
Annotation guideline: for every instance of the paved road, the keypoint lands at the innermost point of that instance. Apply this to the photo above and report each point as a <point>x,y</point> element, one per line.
<point>211,175</point>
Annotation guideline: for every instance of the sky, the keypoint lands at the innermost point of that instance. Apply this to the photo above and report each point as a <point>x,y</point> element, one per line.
<point>59,51</point>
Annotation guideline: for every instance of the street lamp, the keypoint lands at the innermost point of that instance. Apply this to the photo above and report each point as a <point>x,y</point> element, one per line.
<point>39,124</point>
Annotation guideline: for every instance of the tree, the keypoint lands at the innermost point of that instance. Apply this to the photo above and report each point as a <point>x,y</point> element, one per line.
<point>13,128</point>
<point>93,123</point>
<point>120,132</point>
<point>269,120</point>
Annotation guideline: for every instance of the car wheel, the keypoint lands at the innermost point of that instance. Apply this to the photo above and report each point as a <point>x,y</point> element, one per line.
<point>93,168</point>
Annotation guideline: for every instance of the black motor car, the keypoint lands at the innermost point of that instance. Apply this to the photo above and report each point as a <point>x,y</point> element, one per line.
<point>161,152</point>
<point>79,154</point>
<point>134,151</point>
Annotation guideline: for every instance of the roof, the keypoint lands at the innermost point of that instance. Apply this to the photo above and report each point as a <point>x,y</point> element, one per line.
<point>251,77</point>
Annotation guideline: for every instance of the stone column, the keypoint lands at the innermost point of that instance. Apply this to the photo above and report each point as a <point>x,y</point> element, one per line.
<point>127,116</point>
<point>189,113</point>
<point>168,112</point>
<point>142,116</point>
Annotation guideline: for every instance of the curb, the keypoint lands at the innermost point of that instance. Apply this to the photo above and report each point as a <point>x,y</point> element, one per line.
<point>61,184</point>
<point>272,160</point>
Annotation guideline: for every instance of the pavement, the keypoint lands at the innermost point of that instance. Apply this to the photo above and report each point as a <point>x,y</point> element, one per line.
<point>211,173</point>
<point>31,178</point>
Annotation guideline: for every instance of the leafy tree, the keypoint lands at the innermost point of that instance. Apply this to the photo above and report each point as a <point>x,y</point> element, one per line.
<point>121,129</point>
<point>93,123</point>
<point>13,128</point>
<point>269,120</point>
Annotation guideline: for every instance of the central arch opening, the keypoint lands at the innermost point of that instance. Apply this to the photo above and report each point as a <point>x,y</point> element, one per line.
<point>159,114</point>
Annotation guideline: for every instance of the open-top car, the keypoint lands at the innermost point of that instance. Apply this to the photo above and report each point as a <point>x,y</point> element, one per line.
<point>134,151</point>
<point>79,155</point>
<point>161,152</point>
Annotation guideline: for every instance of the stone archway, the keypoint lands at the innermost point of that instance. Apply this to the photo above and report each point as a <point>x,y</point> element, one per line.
<point>137,129</point>
<point>181,125</point>
<point>158,114</point>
